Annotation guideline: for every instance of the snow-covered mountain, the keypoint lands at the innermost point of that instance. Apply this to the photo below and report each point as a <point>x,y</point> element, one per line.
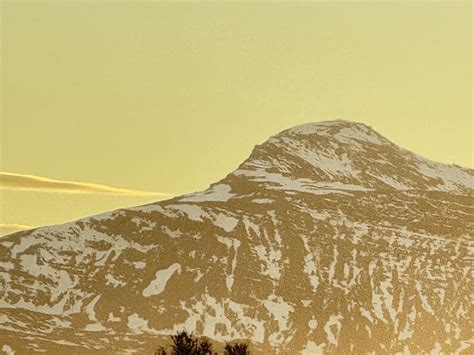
<point>328,238</point>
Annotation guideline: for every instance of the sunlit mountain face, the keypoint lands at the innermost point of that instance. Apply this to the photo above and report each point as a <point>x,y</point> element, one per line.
<point>328,238</point>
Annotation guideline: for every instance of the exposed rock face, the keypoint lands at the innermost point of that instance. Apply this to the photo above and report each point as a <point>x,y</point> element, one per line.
<point>327,238</point>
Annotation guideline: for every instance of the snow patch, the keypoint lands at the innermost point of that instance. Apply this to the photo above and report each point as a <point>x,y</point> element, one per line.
<point>158,285</point>
<point>139,325</point>
<point>334,320</point>
<point>7,350</point>
<point>220,192</point>
<point>315,127</point>
<point>228,223</point>
<point>263,200</point>
<point>424,300</point>
<point>313,324</point>
<point>341,186</point>
<point>112,318</point>
<point>327,161</point>
<point>450,175</point>
<point>194,212</point>
<point>139,264</point>
<point>171,233</point>
<point>392,182</point>
<point>287,183</point>
<point>111,280</point>
<point>270,259</point>
<point>358,133</point>
<point>90,310</point>
<point>144,223</point>
<point>229,242</point>
<point>280,311</point>
<point>312,348</point>
<point>209,312</point>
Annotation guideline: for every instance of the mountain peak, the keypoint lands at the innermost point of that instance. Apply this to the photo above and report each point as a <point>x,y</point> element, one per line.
<point>351,154</point>
<point>339,130</point>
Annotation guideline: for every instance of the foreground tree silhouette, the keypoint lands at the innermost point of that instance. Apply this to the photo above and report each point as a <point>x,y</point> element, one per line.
<point>188,344</point>
<point>236,349</point>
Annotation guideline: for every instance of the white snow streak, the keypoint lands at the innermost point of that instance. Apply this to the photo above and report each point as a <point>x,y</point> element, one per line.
<point>158,285</point>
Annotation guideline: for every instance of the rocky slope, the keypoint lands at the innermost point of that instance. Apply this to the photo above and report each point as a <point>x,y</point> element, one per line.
<point>328,238</point>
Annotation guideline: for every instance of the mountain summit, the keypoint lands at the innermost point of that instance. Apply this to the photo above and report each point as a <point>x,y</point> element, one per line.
<point>328,238</point>
<point>351,156</point>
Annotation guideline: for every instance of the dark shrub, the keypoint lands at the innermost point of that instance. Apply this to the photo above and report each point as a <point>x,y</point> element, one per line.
<point>184,344</point>
<point>187,344</point>
<point>237,349</point>
<point>205,347</point>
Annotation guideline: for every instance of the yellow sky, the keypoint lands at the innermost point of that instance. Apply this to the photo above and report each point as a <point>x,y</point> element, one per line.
<point>169,97</point>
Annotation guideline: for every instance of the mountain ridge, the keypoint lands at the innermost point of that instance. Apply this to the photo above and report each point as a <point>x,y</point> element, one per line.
<point>321,125</point>
<point>326,239</point>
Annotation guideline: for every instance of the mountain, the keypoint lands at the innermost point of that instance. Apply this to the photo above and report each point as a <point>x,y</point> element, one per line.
<point>328,238</point>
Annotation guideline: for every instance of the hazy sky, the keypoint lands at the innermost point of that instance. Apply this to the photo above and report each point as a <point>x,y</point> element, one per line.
<point>170,97</point>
